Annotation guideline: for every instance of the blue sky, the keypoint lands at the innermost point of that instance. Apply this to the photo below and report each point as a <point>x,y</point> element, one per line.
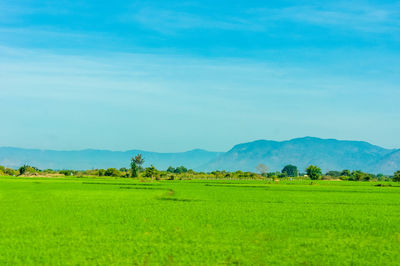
<point>177,75</point>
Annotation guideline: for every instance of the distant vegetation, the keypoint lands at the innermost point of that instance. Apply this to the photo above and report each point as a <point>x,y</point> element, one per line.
<point>136,170</point>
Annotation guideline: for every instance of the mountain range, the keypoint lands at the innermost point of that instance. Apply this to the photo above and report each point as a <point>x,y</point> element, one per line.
<point>329,154</point>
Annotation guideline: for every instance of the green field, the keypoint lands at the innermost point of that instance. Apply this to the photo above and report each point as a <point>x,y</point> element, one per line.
<point>120,221</point>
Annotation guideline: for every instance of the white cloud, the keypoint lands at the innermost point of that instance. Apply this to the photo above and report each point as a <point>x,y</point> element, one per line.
<point>169,21</point>
<point>155,78</point>
<point>340,15</point>
<point>359,17</point>
<point>61,93</point>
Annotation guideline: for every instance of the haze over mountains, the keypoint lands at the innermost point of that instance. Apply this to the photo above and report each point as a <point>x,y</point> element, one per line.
<point>329,154</point>
<point>93,159</point>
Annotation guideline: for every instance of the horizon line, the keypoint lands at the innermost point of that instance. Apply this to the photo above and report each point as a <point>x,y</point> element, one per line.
<point>195,149</point>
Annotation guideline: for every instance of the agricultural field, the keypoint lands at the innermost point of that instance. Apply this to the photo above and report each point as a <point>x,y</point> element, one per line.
<point>123,221</point>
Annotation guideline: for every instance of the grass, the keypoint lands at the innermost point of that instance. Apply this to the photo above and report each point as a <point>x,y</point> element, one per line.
<point>121,221</point>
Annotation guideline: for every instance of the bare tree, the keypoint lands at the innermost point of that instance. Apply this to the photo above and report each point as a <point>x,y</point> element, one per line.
<point>262,168</point>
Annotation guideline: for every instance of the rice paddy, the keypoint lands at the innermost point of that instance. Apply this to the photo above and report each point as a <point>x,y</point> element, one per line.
<point>86,221</point>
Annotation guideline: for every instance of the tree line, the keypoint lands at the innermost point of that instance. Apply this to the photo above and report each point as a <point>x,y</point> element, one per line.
<point>136,170</point>
<point>313,172</point>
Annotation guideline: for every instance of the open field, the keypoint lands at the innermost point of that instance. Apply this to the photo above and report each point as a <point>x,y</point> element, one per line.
<point>121,221</point>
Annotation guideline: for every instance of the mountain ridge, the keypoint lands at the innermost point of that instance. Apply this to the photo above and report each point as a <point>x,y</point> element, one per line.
<point>92,158</point>
<point>329,154</point>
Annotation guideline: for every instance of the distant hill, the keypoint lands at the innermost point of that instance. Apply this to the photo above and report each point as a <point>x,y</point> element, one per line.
<point>329,154</point>
<point>92,159</point>
<point>388,163</point>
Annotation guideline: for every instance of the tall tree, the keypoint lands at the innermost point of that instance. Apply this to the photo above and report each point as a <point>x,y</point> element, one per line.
<point>345,173</point>
<point>180,170</point>
<point>290,170</point>
<point>171,169</point>
<point>314,172</point>
<point>136,165</point>
<point>396,176</point>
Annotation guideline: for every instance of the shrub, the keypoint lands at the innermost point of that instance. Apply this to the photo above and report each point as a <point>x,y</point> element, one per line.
<point>49,171</point>
<point>67,172</point>
<point>380,177</point>
<point>360,176</point>
<point>151,172</point>
<point>10,172</point>
<point>27,170</point>
<point>112,172</point>
<point>333,173</point>
<point>282,175</point>
<point>92,172</point>
<point>344,177</point>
